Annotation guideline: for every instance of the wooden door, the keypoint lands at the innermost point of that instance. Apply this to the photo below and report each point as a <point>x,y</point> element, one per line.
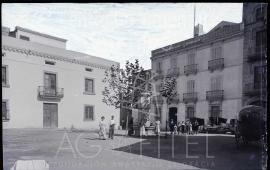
<point>50,115</point>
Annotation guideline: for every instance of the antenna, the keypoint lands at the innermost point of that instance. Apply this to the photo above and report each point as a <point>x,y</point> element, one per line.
<point>194,8</point>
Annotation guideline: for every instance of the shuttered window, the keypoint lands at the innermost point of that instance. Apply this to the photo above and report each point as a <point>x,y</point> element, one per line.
<point>4,75</point>
<point>89,85</point>
<point>173,62</point>
<point>216,83</point>
<point>191,58</point>
<point>190,86</point>
<point>216,52</point>
<point>88,112</point>
<point>5,112</point>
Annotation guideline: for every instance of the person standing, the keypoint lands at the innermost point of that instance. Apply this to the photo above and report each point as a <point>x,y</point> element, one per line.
<point>158,127</point>
<point>196,127</point>
<point>130,127</point>
<point>102,129</point>
<point>178,128</point>
<point>190,128</point>
<point>183,127</point>
<point>111,130</point>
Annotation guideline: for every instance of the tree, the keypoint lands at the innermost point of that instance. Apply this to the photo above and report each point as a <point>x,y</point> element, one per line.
<point>125,87</point>
<point>168,91</point>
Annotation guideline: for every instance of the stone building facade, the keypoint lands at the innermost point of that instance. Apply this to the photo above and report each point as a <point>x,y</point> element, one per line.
<point>255,54</point>
<point>208,69</point>
<point>44,85</point>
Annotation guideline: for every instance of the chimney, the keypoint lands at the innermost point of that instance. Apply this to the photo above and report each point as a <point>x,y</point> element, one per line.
<point>198,30</point>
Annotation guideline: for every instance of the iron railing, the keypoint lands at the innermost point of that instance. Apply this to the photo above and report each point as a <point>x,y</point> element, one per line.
<point>48,92</point>
<point>190,69</point>
<point>216,64</point>
<point>215,95</point>
<point>190,97</point>
<point>173,72</point>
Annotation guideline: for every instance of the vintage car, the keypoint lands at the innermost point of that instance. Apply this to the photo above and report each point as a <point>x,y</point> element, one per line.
<point>250,126</point>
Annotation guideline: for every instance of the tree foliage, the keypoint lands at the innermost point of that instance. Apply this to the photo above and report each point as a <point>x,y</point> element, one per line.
<point>168,88</point>
<point>124,87</point>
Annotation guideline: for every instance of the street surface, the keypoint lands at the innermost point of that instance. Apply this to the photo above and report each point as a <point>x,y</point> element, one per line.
<point>65,150</point>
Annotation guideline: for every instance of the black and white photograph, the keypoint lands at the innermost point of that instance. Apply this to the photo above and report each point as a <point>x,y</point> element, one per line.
<point>134,86</point>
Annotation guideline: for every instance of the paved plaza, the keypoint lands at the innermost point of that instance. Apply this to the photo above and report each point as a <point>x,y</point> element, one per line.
<point>65,150</point>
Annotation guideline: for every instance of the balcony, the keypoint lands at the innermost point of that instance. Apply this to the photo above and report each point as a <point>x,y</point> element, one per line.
<point>253,89</point>
<point>216,64</point>
<point>158,75</point>
<point>173,72</point>
<point>190,97</point>
<point>49,93</point>
<point>215,95</point>
<point>190,69</point>
<point>175,99</point>
<point>256,53</point>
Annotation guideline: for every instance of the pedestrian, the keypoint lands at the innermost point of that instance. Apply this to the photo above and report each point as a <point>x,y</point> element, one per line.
<point>158,127</point>
<point>190,128</point>
<point>102,129</point>
<point>130,127</point>
<point>187,127</point>
<point>178,128</point>
<point>142,128</point>
<point>112,126</point>
<point>183,127</point>
<point>175,129</point>
<point>196,127</point>
<point>171,126</point>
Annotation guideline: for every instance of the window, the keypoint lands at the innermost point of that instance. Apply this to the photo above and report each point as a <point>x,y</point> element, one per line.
<point>216,52</point>
<point>88,69</point>
<point>260,77</point>
<point>5,114</point>
<point>159,67</point>
<point>261,39</point>
<point>216,83</point>
<point>89,86</point>
<point>24,38</point>
<point>173,62</point>
<point>260,13</point>
<point>190,112</point>
<point>214,114</point>
<point>191,59</point>
<point>3,54</point>
<point>50,62</point>
<point>190,86</point>
<point>88,112</point>
<point>4,76</point>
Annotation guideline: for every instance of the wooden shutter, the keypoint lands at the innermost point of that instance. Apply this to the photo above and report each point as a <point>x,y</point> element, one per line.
<point>190,86</point>
<point>91,112</point>
<point>191,59</point>
<point>4,75</point>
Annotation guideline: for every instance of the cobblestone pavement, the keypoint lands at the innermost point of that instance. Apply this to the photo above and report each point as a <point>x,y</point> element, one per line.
<point>65,150</point>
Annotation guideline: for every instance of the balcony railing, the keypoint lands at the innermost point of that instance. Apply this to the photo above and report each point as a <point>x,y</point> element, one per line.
<point>216,64</point>
<point>215,95</point>
<point>175,99</point>
<point>256,53</point>
<point>158,75</point>
<point>49,93</point>
<point>190,69</point>
<point>254,88</point>
<point>173,72</point>
<point>190,97</point>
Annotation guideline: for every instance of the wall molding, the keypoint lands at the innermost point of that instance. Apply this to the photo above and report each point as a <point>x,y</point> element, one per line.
<point>53,57</point>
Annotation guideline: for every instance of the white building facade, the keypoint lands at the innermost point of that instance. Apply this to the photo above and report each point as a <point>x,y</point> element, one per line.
<point>44,85</point>
<point>208,69</point>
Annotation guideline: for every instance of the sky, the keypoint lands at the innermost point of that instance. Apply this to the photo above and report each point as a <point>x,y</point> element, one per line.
<point>117,31</point>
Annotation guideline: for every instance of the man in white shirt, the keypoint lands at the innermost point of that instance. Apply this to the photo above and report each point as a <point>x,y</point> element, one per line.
<point>111,130</point>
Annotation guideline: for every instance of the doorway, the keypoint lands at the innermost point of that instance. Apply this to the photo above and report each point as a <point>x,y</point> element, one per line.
<point>50,115</point>
<point>173,114</point>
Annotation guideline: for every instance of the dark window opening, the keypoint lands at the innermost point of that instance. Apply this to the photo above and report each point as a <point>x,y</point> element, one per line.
<point>50,62</point>
<point>260,13</point>
<point>24,38</point>
<point>88,69</point>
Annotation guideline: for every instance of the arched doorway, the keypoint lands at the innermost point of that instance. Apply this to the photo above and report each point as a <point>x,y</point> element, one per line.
<point>173,114</point>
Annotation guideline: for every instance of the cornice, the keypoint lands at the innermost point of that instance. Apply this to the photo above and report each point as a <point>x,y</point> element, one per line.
<point>53,57</point>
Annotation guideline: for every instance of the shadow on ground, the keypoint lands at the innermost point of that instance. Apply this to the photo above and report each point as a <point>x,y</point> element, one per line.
<point>219,152</point>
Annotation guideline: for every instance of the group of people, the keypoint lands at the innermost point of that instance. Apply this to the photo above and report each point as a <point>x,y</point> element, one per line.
<point>103,126</point>
<point>184,127</point>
